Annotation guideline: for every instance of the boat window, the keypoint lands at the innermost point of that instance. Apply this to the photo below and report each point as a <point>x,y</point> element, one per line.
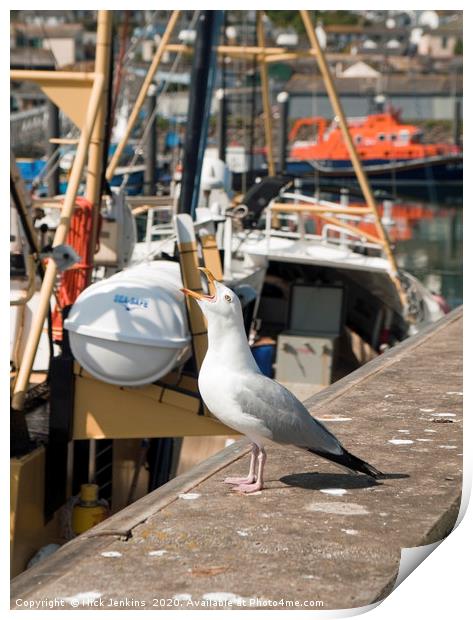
<point>417,138</point>
<point>358,139</point>
<point>404,136</point>
<point>381,137</point>
<point>394,137</point>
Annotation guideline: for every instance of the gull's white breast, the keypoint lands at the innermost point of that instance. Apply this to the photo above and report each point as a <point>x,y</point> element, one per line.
<point>218,387</point>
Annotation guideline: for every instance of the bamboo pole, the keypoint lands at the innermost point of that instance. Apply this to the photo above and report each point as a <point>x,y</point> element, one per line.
<point>191,279</point>
<point>236,51</point>
<point>268,130</point>
<point>211,254</point>
<point>93,192</point>
<point>62,229</point>
<point>19,75</point>
<point>72,141</point>
<point>288,56</point>
<point>309,208</point>
<point>143,92</point>
<point>271,54</point>
<point>359,171</point>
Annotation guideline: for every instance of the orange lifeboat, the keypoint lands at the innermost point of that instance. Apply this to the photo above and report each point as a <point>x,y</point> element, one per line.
<point>380,137</point>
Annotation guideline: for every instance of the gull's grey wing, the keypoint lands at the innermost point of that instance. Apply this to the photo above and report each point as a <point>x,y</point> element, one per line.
<point>283,414</point>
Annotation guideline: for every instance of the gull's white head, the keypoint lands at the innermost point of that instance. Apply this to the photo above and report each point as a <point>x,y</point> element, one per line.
<point>225,328</point>
<point>220,305</point>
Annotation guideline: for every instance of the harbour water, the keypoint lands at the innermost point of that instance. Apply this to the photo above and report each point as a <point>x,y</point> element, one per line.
<point>430,246</point>
<point>426,230</point>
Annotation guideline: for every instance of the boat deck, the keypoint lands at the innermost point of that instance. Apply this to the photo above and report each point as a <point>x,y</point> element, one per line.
<point>314,534</point>
<point>313,253</point>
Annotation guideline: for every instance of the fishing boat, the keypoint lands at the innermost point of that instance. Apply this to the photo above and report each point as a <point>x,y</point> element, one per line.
<point>281,242</point>
<point>387,147</point>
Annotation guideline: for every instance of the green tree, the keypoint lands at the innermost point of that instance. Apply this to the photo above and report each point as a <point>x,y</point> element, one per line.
<point>292,19</point>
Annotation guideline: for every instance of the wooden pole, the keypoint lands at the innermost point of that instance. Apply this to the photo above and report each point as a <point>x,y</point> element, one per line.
<point>268,130</point>
<point>51,76</point>
<point>143,92</point>
<point>93,191</point>
<point>236,51</point>
<point>320,208</point>
<point>287,56</point>
<point>62,229</point>
<point>359,171</point>
<point>189,261</point>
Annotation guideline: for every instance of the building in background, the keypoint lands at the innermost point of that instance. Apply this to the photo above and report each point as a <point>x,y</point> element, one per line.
<point>64,40</point>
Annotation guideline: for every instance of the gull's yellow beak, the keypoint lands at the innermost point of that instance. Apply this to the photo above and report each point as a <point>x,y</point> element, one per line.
<point>193,294</point>
<point>199,296</point>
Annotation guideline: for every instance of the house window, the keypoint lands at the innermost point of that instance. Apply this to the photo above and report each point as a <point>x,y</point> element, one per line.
<point>444,43</point>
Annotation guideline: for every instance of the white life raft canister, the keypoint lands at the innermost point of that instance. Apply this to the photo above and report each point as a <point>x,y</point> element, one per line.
<point>131,329</point>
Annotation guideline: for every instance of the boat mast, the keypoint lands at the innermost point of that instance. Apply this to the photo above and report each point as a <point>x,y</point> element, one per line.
<point>200,95</point>
<point>359,171</point>
<point>268,130</point>
<point>221,96</point>
<point>93,192</point>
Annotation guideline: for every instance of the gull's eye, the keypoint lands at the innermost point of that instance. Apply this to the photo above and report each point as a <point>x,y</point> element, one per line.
<point>228,298</point>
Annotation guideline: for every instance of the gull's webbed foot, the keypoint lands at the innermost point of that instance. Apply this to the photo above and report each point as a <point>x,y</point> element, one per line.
<point>249,488</point>
<point>236,480</point>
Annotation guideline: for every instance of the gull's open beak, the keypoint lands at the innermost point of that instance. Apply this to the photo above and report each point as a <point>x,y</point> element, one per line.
<point>200,296</point>
<point>193,294</point>
<point>208,274</point>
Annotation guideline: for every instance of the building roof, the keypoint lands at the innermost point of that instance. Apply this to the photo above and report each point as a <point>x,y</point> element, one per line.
<point>31,58</point>
<point>27,90</point>
<point>360,69</point>
<point>47,30</point>
<point>391,84</point>
<point>385,63</point>
<point>381,30</point>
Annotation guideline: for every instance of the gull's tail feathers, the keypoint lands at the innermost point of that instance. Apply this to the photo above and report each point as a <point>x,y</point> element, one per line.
<point>350,461</point>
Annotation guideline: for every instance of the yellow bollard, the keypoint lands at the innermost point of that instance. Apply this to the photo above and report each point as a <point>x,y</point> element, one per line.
<point>89,511</point>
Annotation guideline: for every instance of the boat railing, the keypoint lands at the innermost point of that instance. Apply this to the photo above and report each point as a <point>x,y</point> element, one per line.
<point>27,126</point>
<point>158,226</point>
<point>347,239</point>
<point>340,223</point>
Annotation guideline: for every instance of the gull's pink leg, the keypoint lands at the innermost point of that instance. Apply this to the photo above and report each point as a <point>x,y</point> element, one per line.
<point>251,474</point>
<point>259,483</point>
